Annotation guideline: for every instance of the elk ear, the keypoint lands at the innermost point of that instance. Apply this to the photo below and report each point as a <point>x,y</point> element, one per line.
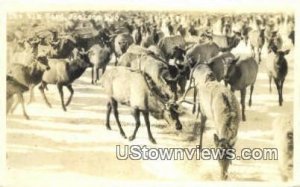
<point>216,140</point>
<point>286,52</point>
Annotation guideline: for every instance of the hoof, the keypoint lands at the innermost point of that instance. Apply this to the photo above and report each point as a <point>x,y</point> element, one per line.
<point>224,177</point>
<point>280,102</point>
<point>152,140</point>
<point>123,135</point>
<point>244,118</point>
<point>179,128</point>
<point>131,138</point>
<point>108,127</point>
<point>191,138</point>
<point>27,117</point>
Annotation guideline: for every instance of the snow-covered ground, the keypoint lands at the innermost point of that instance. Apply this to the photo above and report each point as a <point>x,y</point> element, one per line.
<point>73,148</point>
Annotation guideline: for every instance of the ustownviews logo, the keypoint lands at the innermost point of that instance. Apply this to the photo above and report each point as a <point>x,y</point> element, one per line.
<point>142,152</point>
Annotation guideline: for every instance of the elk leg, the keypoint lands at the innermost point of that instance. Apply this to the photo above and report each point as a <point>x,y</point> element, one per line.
<point>97,74</point>
<point>70,88</point>
<point>114,105</point>
<point>182,85</point>
<point>31,91</point>
<point>251,91</point>
<point>116,58</point>
<point>147,122</point>
<point>103,70</point>
<point>14,104</point>
<point>61,93</point>
<point>92,73</point>
<point>253,51</point>
<point>195,128</point>
<point>9,103</point>
<point>136,115</point>
<point>270,82</point>
<point>202,126</point>
<point>21,99</point>
<point>281,88</point>
<point>41,88</point>
<point>278,90</point>
<point>246,40</point>
<point>194,105</point>
<point>259,54</point>
<point>243,95</point>
<point>224,168</point>
<point>108,115</point>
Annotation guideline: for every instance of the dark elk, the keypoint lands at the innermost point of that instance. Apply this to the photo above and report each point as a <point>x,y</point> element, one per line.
<point>216,64</point>
<point>277,68</point>
<point>61,46</point>
<point>173,47</point>
<point>64,73</point>
<point>292,36</point>
<point>151,36</point>
<point>240,74</point>
<point>201,53</point>
<point>99,56</point>
<point>122,43</point>
<point>21,78</point>
<point>137,35</point>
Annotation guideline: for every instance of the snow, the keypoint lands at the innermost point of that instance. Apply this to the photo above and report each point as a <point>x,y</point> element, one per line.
<point>74,148</point>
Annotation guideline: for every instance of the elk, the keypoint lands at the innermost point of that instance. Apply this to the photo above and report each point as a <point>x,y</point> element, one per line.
<point>160,71</point>
<point>172,47</point>
<point>218,104</point>
<point>140,92</point>
<point>277,69</point>
<point>240,74</point>
<point>21,78</point>
<point>257,41</point>
<point>99,56</point>
<point>64,73</point>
